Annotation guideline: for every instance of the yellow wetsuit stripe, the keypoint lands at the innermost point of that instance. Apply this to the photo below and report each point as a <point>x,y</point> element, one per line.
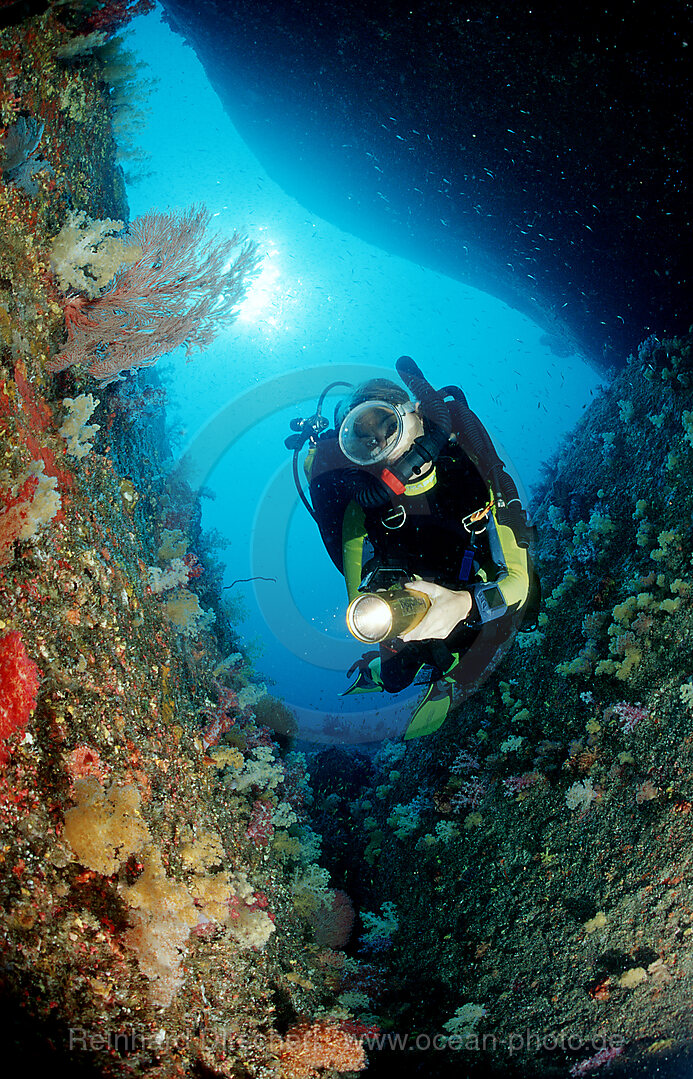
<point>514,587</point>
<point>309,462</point>
<point>353,537</point>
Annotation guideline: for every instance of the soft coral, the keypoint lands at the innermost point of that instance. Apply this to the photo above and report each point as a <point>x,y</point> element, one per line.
<point>19,681</point>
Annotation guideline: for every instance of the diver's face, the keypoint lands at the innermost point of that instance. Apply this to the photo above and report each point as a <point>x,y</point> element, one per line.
<point>376,432</point>
<point>377,429</point>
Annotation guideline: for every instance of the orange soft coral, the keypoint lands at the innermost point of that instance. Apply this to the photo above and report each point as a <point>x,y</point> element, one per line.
<point>309,1046</point>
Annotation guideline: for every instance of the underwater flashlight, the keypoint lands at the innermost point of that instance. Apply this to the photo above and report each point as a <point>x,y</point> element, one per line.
<point>378,616</point>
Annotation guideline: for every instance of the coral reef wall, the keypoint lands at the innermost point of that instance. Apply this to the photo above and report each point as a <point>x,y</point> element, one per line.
<point>163,911</point>
<point>530,863</point>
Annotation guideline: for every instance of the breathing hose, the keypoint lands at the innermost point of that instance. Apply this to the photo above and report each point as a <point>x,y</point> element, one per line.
<point>433,406</point>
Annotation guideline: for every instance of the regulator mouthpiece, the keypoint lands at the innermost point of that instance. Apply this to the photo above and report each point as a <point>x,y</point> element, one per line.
<point>379,616</point>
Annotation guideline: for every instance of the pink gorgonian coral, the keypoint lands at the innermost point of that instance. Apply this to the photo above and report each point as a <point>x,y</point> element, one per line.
<point>182,290</point>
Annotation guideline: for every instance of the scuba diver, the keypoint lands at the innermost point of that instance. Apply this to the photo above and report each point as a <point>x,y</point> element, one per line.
<point>417,512</point>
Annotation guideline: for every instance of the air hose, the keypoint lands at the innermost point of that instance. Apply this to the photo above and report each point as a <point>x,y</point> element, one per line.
<point>436,415</point>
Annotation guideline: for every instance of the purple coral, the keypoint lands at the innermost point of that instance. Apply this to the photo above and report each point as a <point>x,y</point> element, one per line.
<point>629,714</point>
<point>517,784</point>
<point>604,1056</point>
<point>469,794</point>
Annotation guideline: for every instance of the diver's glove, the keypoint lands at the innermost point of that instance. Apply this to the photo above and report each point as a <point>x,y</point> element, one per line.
<point>368,679</point>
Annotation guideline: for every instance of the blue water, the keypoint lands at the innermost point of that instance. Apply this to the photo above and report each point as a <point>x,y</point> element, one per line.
<point>326,306</point>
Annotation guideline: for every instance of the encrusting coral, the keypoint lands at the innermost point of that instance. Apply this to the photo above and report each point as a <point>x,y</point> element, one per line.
<point>19,681</point>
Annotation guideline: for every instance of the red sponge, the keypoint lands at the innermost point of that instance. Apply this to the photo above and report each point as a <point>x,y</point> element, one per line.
<point>19,681</point>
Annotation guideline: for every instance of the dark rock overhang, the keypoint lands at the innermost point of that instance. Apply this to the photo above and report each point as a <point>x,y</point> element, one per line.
<point>536,151</point>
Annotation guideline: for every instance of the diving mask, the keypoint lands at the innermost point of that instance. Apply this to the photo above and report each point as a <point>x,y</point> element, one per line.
<point>371,431</point>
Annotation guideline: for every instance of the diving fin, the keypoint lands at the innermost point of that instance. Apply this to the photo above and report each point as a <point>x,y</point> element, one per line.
<point>368,679</point>
<point>433,710</point>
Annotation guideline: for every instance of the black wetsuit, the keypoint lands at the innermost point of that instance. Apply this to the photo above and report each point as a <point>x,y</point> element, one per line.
<point>422,532</point>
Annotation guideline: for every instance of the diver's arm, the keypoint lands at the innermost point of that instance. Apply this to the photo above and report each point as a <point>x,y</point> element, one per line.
<point>510,588</point>
<point>353,538</point>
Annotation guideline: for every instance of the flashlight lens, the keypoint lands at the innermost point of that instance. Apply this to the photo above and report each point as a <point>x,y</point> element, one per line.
<point>370,618</point>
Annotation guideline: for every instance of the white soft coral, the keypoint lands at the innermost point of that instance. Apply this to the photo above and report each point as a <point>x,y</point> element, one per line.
<point>86,254</point>
<point>75,429</point>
